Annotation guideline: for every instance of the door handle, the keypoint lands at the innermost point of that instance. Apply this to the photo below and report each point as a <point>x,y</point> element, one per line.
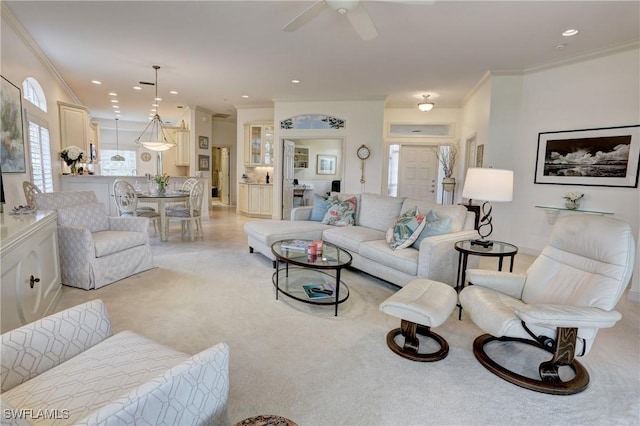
<point>33,281</point>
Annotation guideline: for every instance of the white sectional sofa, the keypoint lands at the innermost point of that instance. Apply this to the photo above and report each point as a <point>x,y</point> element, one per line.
<point>435,259</point>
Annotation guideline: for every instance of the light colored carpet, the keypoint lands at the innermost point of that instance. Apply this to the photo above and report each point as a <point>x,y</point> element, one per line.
<point>301,362</point>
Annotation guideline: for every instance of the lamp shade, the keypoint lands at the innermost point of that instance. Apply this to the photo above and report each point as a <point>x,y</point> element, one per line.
<point>488,184</point>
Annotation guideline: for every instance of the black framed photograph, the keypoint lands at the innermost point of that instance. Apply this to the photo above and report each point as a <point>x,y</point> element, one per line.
<point>606,156</point>
<point>326,165</point>
<point>203,142</point>
<point>12,152</point>
<point>203,162</point>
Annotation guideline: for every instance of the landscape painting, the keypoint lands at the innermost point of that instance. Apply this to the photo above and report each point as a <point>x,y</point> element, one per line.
<point>593,157</point>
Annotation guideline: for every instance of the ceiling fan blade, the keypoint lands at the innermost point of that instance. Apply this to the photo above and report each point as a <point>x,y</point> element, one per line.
<point>307,15</point>
<point>362,23</point>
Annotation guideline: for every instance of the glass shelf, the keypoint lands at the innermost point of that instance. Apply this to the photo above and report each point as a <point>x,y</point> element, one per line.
<point>553,211</point>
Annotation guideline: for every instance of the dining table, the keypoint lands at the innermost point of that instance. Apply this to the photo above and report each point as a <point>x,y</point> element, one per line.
<point>161,199</point>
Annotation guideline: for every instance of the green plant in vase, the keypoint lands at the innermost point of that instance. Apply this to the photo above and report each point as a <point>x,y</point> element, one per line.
<point>162,181</point>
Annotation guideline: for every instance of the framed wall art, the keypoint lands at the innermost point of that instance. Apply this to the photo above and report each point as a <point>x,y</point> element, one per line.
<point>12,152</point>
<point>480,155</point>
<point>326,164</point>
<point>203,142</point>
<point>592,157</point>
<point>203,162</point>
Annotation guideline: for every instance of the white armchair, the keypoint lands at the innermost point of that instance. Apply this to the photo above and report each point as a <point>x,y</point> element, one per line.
<point>567,294</point>
<point>96,250</point>
<point>71,367</point>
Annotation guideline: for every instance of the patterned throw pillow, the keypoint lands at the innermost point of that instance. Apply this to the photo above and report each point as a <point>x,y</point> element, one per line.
<point>434,225</point>
<point>406,229</point>
<point>340,213</point>
<point>320,207</point>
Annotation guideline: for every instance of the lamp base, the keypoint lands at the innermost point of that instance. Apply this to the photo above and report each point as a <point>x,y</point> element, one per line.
<point>483,243</point>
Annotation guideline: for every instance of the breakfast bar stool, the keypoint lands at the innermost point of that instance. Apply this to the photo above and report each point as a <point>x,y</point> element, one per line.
<point>420,305</point>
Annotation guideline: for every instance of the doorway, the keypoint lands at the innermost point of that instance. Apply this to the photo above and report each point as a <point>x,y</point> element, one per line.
<point>220,179</point>
<point>413,171</point>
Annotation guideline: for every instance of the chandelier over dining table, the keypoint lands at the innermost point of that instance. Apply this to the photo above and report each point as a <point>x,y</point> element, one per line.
<point>155,136</point>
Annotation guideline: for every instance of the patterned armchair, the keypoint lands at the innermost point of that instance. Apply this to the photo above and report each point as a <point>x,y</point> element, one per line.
<point>96,250</point>
<point>70,366</point>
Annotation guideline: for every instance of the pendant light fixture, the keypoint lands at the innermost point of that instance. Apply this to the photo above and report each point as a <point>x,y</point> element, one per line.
<point>427,105</point>
<point>158,138</point>
<point>117,157</point>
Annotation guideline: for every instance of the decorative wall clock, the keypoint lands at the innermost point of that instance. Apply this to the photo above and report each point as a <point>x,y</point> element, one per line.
<point>145,156</point>
<point>363,153</point>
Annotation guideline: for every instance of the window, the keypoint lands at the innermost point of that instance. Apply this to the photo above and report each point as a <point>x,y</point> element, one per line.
<point>118,168</point>
<point>41,173</point>
<point>33,93</point>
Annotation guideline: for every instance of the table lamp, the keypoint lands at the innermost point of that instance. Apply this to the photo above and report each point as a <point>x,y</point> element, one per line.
<point>489,185</point>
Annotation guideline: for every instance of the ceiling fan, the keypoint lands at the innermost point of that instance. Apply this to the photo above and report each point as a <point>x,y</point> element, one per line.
<point>354,11</point>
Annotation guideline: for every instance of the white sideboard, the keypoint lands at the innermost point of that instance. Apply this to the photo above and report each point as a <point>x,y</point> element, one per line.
<point>30,268</point>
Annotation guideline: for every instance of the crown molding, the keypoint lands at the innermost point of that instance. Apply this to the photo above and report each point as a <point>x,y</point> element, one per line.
<point>9,18</point>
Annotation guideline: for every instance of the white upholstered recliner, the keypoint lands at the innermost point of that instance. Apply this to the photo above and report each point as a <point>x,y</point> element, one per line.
<point>70,366</point>
<point>567,294</point>
<point>95,249</point>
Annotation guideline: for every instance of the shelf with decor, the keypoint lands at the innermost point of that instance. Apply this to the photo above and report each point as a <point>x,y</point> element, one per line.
<point>553,212</point>
<point>301,158</point>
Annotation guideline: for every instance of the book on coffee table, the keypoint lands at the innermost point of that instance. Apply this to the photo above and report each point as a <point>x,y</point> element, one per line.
<point>319,290</point>
<point>297,245</point>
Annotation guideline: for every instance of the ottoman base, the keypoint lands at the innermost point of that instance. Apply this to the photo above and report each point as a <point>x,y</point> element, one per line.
<point>410,350</point>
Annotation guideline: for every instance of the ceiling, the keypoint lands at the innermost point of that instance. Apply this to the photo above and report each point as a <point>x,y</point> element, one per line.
<point>214,52</point>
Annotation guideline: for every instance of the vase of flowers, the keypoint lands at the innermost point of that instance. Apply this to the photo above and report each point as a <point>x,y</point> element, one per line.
<point>447,158</point>
<point>572,200</point>
<point>72,155</point>
<point>162,181</point>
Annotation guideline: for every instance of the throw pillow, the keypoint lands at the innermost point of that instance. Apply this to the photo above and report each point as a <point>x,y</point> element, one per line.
<point>340,213</point>
<point>406,229</point>
<point>434,225</point>
<point>320,207</point>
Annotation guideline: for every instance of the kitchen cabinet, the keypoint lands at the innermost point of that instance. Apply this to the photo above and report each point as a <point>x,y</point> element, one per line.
<point>30,279</point>
<point>74,127</point>
<point>259,145</point>
<point>243,198</point>
<point>182,148</point>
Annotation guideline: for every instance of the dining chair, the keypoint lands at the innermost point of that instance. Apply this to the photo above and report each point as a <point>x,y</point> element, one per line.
<point>127,203</point>
<point>190,216</point>
<point>185,187</point>
<point>30,189</point>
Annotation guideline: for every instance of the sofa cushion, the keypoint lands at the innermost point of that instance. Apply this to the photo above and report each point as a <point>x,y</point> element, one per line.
<point>109,242</point>
<point>350,237</point>
<point>406,229</point>
<point>401,260</point>
<point>97,376</point>
<point>269,231</point>
<point>456,212</point>
<point>90,216</point>
<point>343,196</point>
<point>340,213</point>
<point>434,225</point>
<point>320,207</point>
<point>379,211</point>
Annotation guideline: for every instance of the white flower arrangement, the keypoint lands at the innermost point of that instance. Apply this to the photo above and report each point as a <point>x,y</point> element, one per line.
<point>71,155</point>
<point>573,196</point>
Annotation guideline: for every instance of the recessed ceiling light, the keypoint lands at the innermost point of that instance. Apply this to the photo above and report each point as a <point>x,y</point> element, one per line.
<point>153,110</point>
<point>137,88</point>
<point>117,111</point>
<point>561,46</point>
<point>245,96</point>
<point>96,82</point>
<point>158,99</point>
<point>294,81</point>
<point>173,92</point>
<point>113,94</point>
<point>115,101</point>
<point>118,115</point>
<point>115,106</point>
<point>570,32</point>
<point>154,105</point>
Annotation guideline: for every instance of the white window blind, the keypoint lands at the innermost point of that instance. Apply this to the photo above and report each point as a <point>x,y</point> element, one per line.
<point>41,168</point>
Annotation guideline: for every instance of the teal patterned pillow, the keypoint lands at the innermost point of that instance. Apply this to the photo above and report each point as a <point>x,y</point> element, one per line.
<point>406,229</point>
<point>434,225</point>
<point>340,213</point>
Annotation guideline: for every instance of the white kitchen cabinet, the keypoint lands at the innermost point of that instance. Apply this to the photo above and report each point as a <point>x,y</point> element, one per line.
<point>243,198</point>
<point>182,148</point>
<point>260,200</point>
<point>30,268</point>
<point>259,145</point>
<point>74,127</point>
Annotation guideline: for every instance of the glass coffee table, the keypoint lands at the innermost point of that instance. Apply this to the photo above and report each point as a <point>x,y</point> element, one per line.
<point>306,278</point>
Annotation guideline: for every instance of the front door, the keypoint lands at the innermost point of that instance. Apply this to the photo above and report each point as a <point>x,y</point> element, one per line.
<point>417,172</point>
<point>288,150</point>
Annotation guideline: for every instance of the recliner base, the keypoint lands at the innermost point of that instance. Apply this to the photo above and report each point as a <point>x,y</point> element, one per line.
<point>409,331</point>
<point>550,382</point>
